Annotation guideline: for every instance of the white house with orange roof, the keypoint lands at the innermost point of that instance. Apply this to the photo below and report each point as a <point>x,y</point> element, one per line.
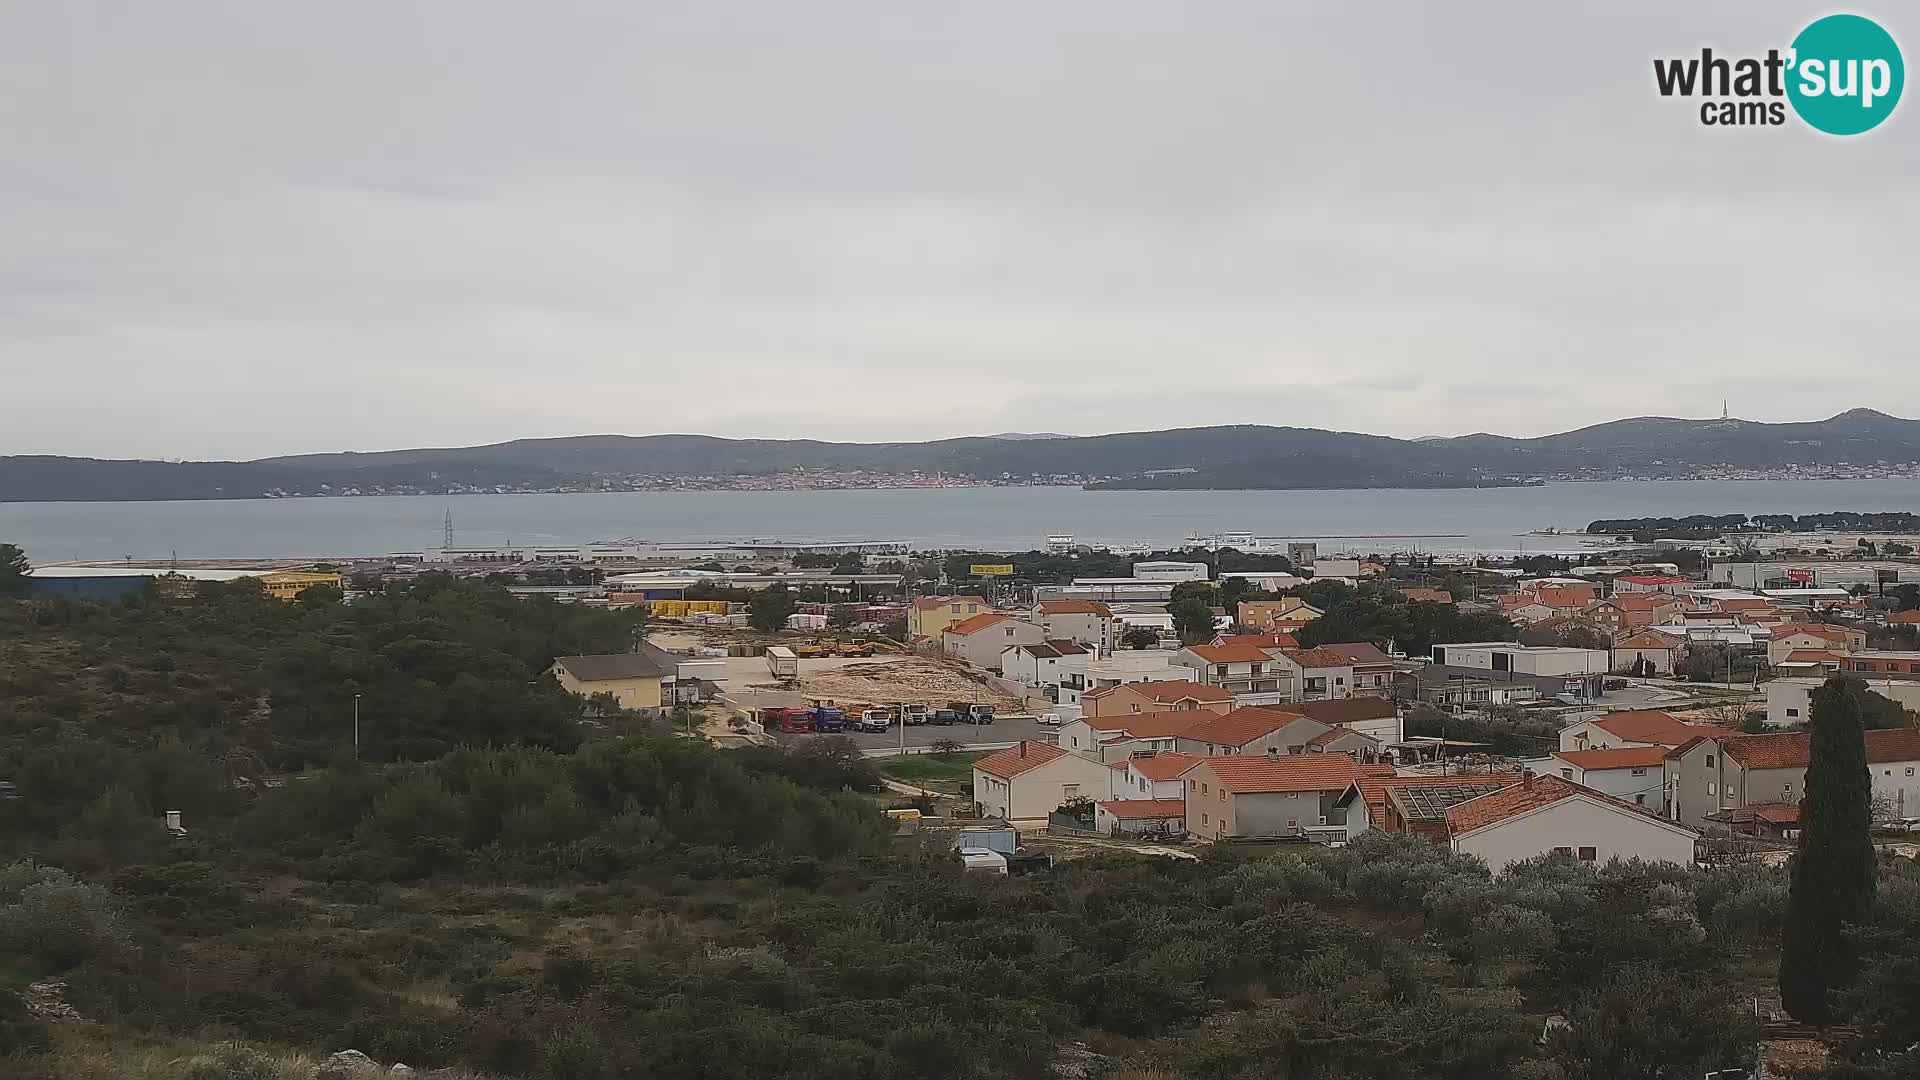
<point>1111,738</point>
<point>1551,815</point>
<point>1648,652</point>
<point>1671,584</point>
<point>1819,637</point>
<point>1632,727</point>
<point>1264,732</point>
<point>1029,780</point>
<point>979,641</point>
<point>1252,674</point>
<point>1148,775</point>
<point>1154,695</point>
<point>1271,796</point>
<point>1635,774</point>
<point>1089,622</point>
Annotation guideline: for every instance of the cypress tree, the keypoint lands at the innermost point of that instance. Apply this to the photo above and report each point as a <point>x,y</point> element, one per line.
<point>1833,875</point>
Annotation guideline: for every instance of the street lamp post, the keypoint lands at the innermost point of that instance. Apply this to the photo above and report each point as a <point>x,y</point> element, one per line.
<point>356,726</point>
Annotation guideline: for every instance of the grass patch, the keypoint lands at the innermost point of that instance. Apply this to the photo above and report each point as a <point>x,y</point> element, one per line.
<point>928,770</point>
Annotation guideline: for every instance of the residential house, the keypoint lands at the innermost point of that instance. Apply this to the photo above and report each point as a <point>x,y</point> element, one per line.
<point>1539,601</point>
<point>1029,780</point>
<point>930,616</point>
<point>1713,774</point>
<point>1253,675</point>
<point>1277,796</point>
<point>1632,727</point>
<point>1624,613</point>
<point>1648,652</point>
<point>1904,618</point>
<point>1810,663</point>
<point>1287,614</point>
<point>979,641</point>
<point>1543,815</point>
<point>1127,666</point>
<point>1375,717</point>
<point>1252,730</point>
<point>1790,698</point>
<point>1413,805</point>
<point>1370,671</point>
<point>1634,774</point>
<point>1426,596</point>
<point>1325,673</point>
<point>635,681</point>
<point>1155,695</point>
<point>1355,744</point>
<point>1883,662</point>
<point>1089,622</point>
<point>1148,775</point>
<point>1141,817</point>
<point>1112,738</point>
<point>1269,640</point>
<point>1670,584</point>
<point>1460,690</point>
<point>1825,637</point>
<point>1049,663</point>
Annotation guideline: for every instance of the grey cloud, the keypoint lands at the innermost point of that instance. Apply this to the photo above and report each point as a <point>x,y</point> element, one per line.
<point>235,229</point>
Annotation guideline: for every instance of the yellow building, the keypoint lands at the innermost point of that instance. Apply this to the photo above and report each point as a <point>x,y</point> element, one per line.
<point>289,584</point>
<point>634,680</point>
<point>931,615</point>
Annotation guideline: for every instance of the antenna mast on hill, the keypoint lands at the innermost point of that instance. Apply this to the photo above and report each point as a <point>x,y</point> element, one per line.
<point>447,539</point>
<point>1723,412</point>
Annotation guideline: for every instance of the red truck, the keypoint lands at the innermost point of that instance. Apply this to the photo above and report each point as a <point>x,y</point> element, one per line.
<point>787,721</point>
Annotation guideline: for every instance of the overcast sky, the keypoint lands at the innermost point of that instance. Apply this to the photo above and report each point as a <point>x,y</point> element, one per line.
<point>248,228</point>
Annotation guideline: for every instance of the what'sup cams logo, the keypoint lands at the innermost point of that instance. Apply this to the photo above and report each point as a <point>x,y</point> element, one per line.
<point>1842,75</point>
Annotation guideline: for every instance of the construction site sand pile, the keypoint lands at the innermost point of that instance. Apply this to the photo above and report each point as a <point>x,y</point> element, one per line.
<point>901,682</point>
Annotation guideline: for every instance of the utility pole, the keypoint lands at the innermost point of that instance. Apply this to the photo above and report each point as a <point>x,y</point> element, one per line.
<point>356,727</point>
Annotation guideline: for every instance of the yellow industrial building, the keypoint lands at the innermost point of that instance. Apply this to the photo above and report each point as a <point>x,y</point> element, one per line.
<point>289,584</point>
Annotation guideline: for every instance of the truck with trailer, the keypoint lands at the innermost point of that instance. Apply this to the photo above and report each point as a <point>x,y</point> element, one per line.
<point>828,719</point>
<point>782,663</point>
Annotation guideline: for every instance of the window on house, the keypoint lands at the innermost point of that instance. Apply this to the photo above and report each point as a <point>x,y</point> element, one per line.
<point>1588,854</point>
<point>1710,788</point>
<point>1069,791</point>
<point>1640,799</point>
<point>1223,794</point>
<point>1203,819</point>
<point>1566,774</point>
<point>1563,851</point>
<point>1909,770</point>
<point>1639,772</point>
<point>1293,823</point>
<point>1793,712</point>
<point>1709,761</point>
<point>1274,751</point>
<point>1204,790</point>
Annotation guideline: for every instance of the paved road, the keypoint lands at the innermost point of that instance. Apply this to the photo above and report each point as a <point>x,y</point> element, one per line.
<point>1002,732</point>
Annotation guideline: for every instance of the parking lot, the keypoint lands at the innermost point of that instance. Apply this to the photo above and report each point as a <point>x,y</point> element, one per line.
<point>1009,730</point>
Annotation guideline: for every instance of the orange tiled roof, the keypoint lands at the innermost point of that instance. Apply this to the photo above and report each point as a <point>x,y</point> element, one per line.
<point>1165,765</point>
<point>1152,725</point>
<point>1812,656</point>
<point>1652,726</point>
<point>1625,757</point>
<point>1137,809</point>
<point>1824,631</point>
<point>1025,757</point>
<point>1357,652</point>
<point>1259,641</point>
<point>1649,639</point>
<point>1323,657</point>
<point>1241,726</point>
<point>1165,690</point>
<point>1789,750</point>
<point>1252,774</point>
<point>1229,654</point>
<point>1374,788</point>
<point>1642,601</point>
<point>1530,794</point>
<point>1901,618</point>
<point>1074,607</point>
<point>1339,711</point>
<point>976,623</point>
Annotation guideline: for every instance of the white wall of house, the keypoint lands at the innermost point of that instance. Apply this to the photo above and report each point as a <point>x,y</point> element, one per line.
<point>1107,824</point>
<point>1127,783</point>
<point>1291,739</point>
<point>1038,792</point>
<point>1030,670</point>
<point>1629,659</point>
<point>983,647</point>
<point>1578,823</point>
<point>1640,785</point>
<point>1094,631</point>
<point>1790,701</point>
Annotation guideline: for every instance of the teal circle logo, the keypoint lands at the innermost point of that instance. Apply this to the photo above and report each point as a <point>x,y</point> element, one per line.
<point>1845,74</point>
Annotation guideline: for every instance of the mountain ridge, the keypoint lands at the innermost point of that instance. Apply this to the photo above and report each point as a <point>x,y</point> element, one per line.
<point>1220,457</point>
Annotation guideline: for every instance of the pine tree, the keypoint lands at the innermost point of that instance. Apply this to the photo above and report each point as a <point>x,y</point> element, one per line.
<point>1833,875</point>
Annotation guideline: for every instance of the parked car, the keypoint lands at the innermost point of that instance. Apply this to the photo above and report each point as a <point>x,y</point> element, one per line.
<point>874,721</point>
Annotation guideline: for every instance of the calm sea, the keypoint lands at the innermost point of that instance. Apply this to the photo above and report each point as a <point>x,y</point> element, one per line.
<point>1481,520</point>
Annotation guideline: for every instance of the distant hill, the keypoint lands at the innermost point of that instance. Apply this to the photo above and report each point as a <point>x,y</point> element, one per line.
<point>1240,456</point>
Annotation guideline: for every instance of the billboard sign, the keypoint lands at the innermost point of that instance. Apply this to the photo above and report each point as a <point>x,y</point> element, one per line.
<point>991,569</point>
<point>1799,575</point>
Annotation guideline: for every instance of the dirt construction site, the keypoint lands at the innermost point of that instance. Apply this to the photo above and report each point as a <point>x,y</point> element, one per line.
<point>890,679</point>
